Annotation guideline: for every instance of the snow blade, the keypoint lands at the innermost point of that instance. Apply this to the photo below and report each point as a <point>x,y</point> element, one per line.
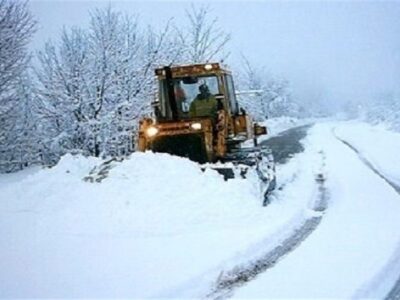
<point>239,163</point>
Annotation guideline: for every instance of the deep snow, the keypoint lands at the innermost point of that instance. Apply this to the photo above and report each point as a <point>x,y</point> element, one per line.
<point>159,227</point>
<point>152,227</point>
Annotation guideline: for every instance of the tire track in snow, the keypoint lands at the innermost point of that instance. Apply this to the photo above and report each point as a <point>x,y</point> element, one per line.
<point>226,283</point>
<point>394,293</point>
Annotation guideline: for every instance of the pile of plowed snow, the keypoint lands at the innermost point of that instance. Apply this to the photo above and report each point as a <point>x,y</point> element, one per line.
<point>154,223</point>
<point>147,194</point>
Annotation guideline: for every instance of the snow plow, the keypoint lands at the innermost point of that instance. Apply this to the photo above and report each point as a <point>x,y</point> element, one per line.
<point>196,115</point>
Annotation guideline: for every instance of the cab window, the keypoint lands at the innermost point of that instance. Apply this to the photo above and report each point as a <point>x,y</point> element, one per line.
<point>231,95</point>
<point>186,89</point>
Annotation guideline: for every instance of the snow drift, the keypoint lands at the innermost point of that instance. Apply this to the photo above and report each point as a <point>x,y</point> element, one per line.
<point>153,224</point>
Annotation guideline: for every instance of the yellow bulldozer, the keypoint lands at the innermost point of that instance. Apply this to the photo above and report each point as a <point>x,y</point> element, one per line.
<point>196,115</point>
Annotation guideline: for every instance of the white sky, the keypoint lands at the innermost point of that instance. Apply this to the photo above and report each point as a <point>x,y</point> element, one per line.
<point>340,50</point>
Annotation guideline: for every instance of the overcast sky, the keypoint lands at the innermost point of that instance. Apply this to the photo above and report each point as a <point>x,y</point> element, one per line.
<point>341,51</point>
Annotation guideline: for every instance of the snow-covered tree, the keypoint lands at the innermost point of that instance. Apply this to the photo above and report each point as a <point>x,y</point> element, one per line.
<point>21,142</point>
<point>383,108</point>
<point>202,38</point>
<point>250,78</point>
<point>93,85</point>
<point>16,29</point>
<point>98,82</point>
<point>273,96</point>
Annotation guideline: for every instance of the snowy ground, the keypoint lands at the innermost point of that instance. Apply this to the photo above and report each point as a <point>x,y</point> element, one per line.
<point>355,252</point>
<point>376,144</point>
<point>159,227</point>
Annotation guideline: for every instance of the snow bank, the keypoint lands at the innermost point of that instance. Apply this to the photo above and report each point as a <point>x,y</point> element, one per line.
<point>376,144</point>
<point>155,224</point>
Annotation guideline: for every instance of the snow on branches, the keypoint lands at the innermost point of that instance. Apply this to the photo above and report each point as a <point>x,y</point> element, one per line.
<point>274,96</point>
<point>99,81</point>
<point>202,39</point>
<point>16,29</point>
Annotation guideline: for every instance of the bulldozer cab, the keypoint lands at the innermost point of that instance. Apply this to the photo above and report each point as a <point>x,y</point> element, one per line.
<point>196,114</point>
<point>179,87</point>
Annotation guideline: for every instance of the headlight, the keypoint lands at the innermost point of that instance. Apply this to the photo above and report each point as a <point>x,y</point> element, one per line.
<point>208,67</point>
<point>196,126</point>
<point>151,131</point>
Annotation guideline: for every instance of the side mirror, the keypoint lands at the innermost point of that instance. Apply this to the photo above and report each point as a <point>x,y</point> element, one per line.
<point>259,130</point>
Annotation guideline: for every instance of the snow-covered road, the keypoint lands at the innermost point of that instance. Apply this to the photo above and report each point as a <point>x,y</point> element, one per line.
<point>184,233</point>
<point>355,250</point>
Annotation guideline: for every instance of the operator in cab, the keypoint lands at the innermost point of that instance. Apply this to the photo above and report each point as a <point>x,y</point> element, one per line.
<point>180,97</point>
<point>204,105</point>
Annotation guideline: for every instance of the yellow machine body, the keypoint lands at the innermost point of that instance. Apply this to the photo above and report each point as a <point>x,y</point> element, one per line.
<point>200,138</point>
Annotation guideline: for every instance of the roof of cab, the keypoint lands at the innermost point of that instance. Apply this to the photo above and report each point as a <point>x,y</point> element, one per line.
<point>193,70</point>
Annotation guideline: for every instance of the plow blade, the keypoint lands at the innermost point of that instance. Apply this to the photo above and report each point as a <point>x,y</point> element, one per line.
<point>240,163</point>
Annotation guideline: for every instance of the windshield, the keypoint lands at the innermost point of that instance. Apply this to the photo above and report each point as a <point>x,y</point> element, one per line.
<point>186,90</point>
